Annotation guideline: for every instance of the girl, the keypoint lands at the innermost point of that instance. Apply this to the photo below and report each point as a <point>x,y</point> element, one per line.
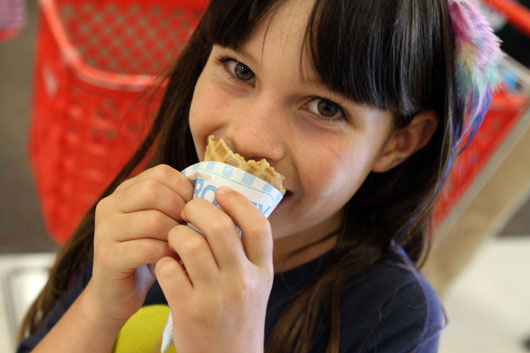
<point>356,103</point>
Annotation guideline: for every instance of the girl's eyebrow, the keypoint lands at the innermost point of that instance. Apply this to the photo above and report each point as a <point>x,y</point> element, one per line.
<point>317,83</point>
<point>245,54</point>
<point>310,81</point>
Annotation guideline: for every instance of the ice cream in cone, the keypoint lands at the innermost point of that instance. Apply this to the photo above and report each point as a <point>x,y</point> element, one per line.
<point>219,151</point>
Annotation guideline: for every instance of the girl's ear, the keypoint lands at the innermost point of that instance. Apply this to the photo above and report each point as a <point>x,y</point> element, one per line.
<point>406,141</point>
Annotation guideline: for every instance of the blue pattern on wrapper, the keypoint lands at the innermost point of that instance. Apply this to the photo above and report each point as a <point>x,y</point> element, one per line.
<point>228,170</point>
<point>248,179</point>
<point>267,187</point>
<point>209,165</point>
<point>239,177</point>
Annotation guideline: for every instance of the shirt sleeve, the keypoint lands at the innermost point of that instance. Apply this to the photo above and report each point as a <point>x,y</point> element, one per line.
<point>402,315</point>
<point>29,343</point>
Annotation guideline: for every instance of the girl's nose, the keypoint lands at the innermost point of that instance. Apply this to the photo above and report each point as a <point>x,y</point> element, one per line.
<point>258,132</point>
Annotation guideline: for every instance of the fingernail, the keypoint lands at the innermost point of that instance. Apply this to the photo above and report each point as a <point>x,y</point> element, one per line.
<point>183,216</point>
<point>223,190</point>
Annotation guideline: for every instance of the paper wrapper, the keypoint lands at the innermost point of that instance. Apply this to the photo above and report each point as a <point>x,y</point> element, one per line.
<point>208,177</point>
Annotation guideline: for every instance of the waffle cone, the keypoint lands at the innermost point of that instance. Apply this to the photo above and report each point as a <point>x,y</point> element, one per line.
<point>219,151</point>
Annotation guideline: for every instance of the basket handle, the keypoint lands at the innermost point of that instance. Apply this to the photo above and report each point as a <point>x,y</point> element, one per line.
<point>93,76</point>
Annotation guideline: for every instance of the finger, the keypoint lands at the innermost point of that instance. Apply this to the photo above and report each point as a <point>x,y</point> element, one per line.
<point>166,175</point>
<point>219,230</point>
<point>138,252</point>
<point>255,228</point>
<point>173,279</point>
<point>143,224</point>
<point>150,194</point>
<point>195,254</point>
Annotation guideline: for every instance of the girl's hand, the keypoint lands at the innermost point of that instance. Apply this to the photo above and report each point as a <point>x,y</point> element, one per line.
<point>131,230</point>
<point>218,295</point>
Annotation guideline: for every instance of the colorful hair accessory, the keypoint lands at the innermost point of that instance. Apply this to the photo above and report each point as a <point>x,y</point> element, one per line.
<point>477,53</point>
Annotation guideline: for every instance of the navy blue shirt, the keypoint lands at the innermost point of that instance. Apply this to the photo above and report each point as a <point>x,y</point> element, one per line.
<point>392,309</point>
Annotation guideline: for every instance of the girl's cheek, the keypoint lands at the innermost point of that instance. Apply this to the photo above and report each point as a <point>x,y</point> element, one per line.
<point>313,173</point>
<point>319,178</point>
<point>207,109</point>
<point>334,155</point>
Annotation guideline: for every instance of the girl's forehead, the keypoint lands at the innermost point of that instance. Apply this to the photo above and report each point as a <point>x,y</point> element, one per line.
<point>282,34</point>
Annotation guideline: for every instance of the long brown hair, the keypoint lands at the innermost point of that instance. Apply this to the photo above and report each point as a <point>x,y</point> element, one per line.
<point>394,55</point>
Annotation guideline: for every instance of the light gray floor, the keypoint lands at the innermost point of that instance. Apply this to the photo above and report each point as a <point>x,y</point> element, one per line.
<point>489,303</point>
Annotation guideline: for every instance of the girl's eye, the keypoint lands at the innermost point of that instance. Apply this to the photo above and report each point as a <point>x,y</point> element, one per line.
<point>240,70</point>
<point>324,107</point>
<point>243,72</point>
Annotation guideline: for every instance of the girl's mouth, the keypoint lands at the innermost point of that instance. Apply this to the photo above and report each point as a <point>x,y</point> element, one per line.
<point>285,198</point>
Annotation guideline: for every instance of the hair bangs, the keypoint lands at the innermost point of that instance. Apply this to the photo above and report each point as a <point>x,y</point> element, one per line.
<point>385,66</point>
<point>388,67</point>
<point>232,22</point>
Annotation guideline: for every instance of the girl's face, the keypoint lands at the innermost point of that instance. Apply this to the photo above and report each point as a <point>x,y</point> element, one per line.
<point>267,103</point>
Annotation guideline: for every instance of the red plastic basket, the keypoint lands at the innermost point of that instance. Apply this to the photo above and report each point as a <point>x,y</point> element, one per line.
<point>94,60</point>
<point>507,108</point>
<point>504,113</point>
